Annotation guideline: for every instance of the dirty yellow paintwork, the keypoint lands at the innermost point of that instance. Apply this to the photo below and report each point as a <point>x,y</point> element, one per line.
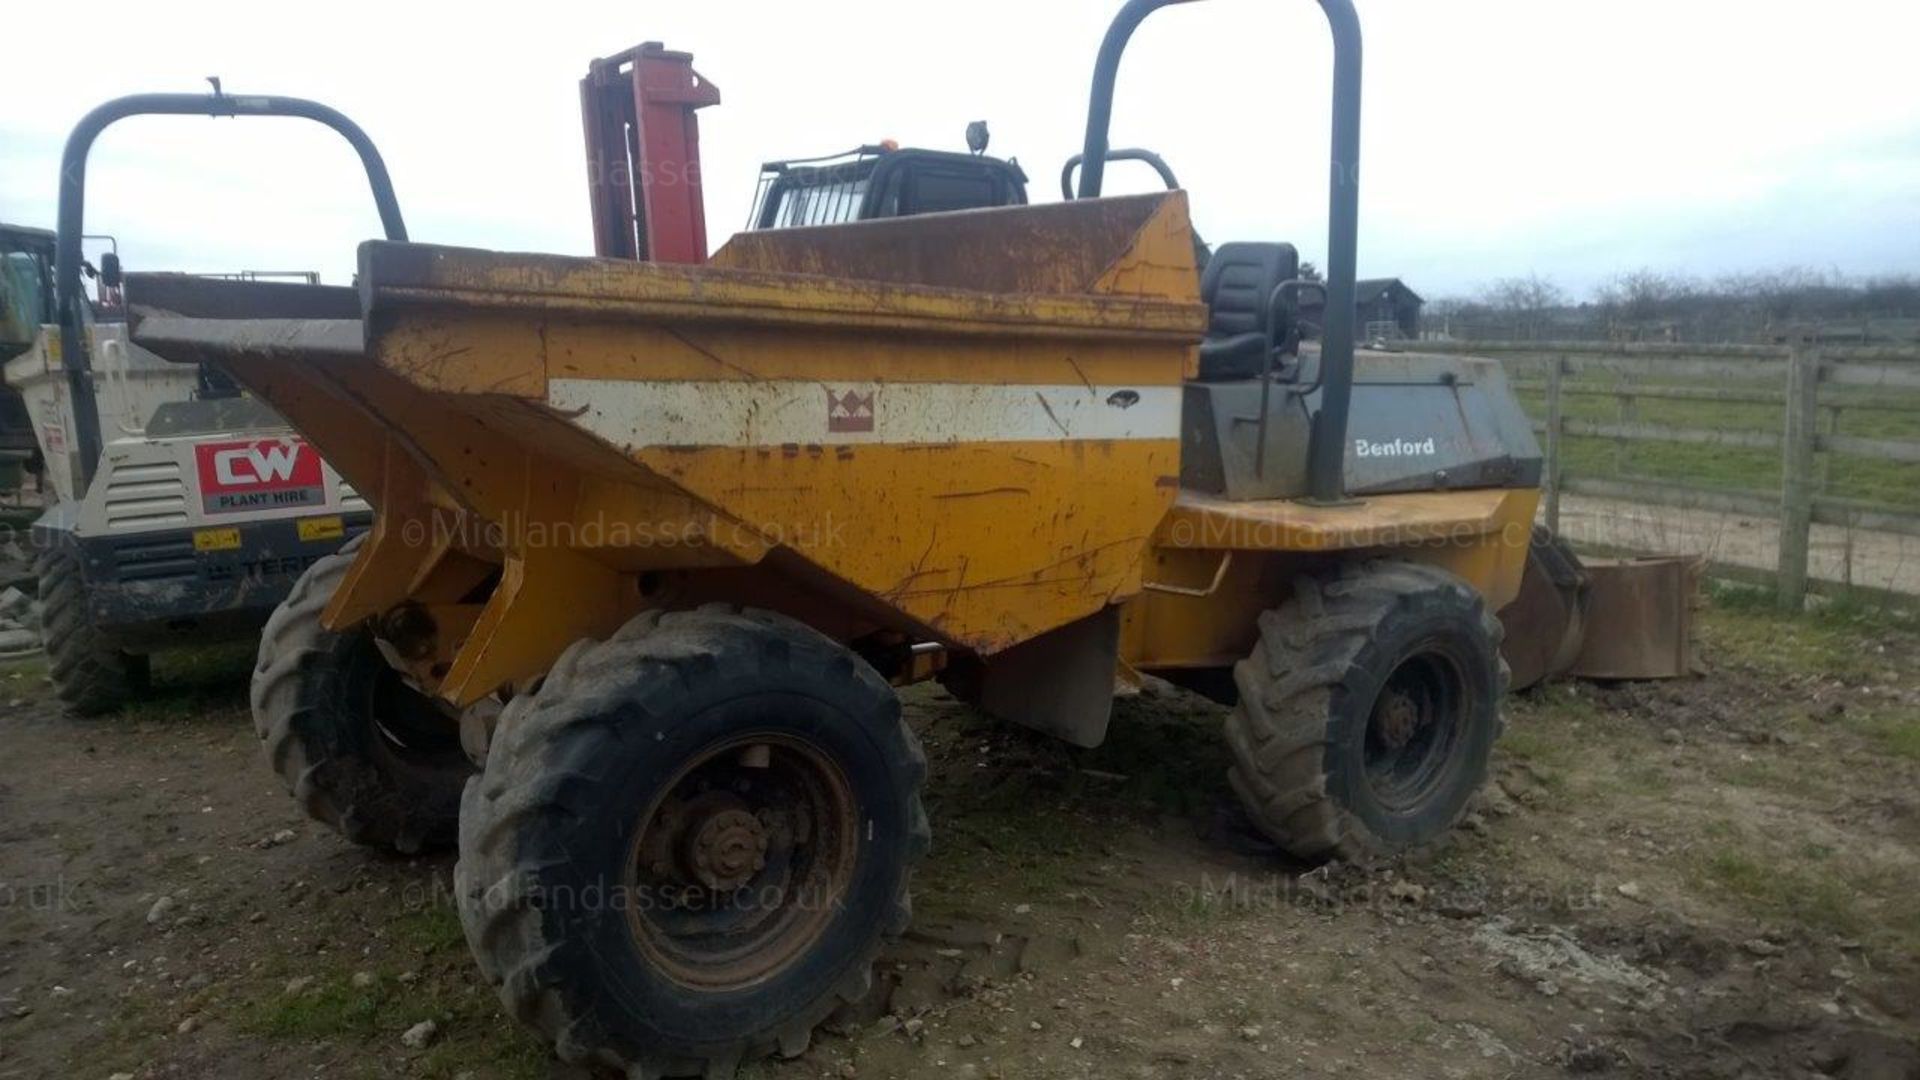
<point>570,519</point>
<point>352,439</point>
<point>1480,536</point>
<point>464,346</point>
<point>995,572</point>
<point>1201,521</point>
<point>500,354</point>
<point>546,594</point>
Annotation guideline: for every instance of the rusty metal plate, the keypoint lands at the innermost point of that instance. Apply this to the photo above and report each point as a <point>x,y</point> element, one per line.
<point>1640,619</point>
<point>1049,248</point>
<point>1546,624</point>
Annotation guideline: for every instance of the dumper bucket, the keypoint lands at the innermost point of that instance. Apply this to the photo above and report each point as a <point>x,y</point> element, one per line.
<point>937,431</point>
<point>1640,619</point>
<point>1600,618</point>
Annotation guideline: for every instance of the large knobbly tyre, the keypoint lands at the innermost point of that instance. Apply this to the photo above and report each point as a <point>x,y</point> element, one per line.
<point>90,675</point>
<point>690,841</point>
<point>360,749</point>
<point>1368,711</point>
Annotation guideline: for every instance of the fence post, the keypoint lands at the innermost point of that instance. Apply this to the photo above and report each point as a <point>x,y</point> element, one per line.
<point>1797,479</point>
<point>1556,370</point>
<point>1629,413</point>
<point>1826,459</point>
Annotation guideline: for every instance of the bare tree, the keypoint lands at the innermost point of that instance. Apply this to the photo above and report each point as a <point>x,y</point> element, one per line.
<point>1528,301</point>
<point>1438,315</point>
<point>1646,303</point>
<point>1644,297</point>
<point>1896,297</point>
<point>1793,293</point>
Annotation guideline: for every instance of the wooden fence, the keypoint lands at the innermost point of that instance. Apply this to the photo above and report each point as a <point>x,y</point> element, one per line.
<point>1817,389</point>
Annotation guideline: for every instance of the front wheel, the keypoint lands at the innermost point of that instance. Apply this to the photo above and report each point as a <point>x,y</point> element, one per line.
<point>1368,712</point>
<point>360,749</point>
<point>689,842</point>
<point>90,674</point>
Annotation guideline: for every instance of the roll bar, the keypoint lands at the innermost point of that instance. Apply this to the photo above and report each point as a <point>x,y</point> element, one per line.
<point>73,197</point>
<point>1326,452</point>
<point>1132,153</point>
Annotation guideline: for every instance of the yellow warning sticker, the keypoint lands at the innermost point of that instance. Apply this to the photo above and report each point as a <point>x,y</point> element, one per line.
<point>216,539</point>
<point>326,528</point>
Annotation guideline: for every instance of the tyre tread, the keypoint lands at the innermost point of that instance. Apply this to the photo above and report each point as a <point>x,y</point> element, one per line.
<point>557,732</point>
<point>90,675</point>
<point>291,697</point>
<point>1278,733</point>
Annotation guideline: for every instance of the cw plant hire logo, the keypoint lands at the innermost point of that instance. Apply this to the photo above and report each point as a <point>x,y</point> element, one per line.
<point>259,474</point>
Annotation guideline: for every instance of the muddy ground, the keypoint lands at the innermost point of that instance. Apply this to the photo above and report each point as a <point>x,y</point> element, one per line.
<point>1716,878</point>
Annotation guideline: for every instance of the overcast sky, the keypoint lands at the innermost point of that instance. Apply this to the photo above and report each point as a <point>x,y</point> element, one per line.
<point>1573,138</point>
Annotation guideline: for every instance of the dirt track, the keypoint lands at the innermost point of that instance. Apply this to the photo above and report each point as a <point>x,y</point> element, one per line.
<point>1705,879</point>
<point>1861,557</point>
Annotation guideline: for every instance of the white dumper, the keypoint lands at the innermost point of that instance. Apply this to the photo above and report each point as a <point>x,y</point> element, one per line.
<point>201,510</point>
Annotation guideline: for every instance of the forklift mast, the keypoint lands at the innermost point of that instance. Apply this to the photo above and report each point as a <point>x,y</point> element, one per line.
<point>643,154</point>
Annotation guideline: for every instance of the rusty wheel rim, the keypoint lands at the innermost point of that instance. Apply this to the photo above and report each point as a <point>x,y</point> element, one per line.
<point>407,724</point>
<point>741,863</point>
<point>1414,728</point>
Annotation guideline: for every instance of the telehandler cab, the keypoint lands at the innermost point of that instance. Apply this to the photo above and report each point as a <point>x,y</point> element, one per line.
<point>658,534</point>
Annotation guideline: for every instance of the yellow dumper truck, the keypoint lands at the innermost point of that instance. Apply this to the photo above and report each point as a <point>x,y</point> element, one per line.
<point>658,536</point>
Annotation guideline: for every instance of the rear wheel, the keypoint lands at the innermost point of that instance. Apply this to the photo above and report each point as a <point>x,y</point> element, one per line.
<point>1368,712</point>
<point>689,842</point>
<point>360,749</point>
<point>90,674</point>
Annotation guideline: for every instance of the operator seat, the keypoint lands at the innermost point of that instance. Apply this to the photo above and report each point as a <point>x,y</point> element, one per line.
<point>1237,287</point>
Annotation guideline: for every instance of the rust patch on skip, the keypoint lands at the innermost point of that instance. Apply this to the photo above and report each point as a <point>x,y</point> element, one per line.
<point>1084,381</point>
<point>747,373</point>
<point>1042,398</point>
<point>985,491</point>
<point>918,569</point>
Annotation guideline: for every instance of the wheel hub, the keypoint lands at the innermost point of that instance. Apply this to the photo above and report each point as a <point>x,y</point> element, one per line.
<point>744,857</point>
<point>1396,719</point>
<point>725,847</point>
<point>1416,727</point>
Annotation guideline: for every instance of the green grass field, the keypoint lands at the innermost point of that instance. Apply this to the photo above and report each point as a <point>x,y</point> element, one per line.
<point>1864,413</point>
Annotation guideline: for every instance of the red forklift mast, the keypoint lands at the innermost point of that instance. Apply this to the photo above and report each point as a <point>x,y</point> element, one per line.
<point>643,154</point>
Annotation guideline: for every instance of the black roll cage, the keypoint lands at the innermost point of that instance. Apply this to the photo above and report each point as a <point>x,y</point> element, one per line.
<point>73,202</point>
<point>1326,448</point>
<point>890,176</point>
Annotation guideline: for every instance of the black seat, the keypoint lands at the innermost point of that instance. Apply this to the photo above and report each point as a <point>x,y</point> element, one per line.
<point>1237,287</point>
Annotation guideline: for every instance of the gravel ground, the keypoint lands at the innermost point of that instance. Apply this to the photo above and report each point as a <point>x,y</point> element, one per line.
<point>1712,878</point>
